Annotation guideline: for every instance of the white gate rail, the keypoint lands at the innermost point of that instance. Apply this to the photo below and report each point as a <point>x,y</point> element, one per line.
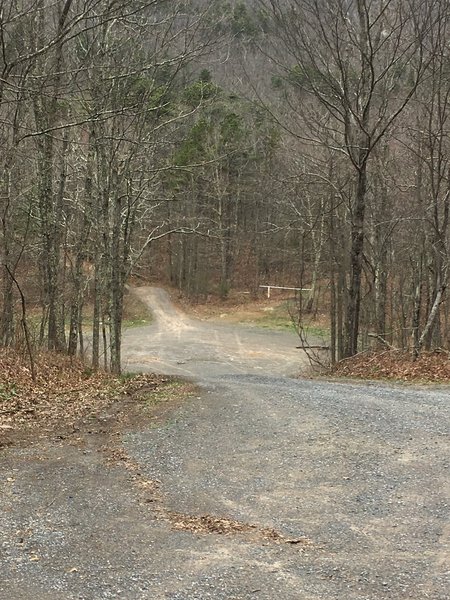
<point>281,287</point>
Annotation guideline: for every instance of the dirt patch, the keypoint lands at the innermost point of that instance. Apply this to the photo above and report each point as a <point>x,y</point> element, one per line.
<point>178,344</point>
<point>205,524</point>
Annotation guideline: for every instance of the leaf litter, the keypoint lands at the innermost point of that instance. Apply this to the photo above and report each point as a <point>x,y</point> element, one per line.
<point>429,367</point>
<point>65,392</point>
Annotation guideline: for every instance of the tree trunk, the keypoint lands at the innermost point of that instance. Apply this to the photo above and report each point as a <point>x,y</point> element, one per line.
<point>77,276</point>
<point>96,316</point>
<point>7,314</point>
<point>356,256</point>
<point>117,284</point>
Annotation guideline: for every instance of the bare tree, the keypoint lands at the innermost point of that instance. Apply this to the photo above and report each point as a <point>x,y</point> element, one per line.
<point>355,66</point>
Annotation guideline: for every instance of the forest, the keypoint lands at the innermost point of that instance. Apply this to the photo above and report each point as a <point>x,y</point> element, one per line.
<point>215,146</point>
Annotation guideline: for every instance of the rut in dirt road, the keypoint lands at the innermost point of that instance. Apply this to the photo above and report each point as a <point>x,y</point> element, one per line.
<point>177,344</point>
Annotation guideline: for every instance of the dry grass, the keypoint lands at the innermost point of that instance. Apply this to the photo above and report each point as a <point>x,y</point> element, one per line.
<point>239,308</point>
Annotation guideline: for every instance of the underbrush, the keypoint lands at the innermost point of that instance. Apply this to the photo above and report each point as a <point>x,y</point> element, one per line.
<point>430,367</point>
<point>135,314</point>
<point>64,390</point>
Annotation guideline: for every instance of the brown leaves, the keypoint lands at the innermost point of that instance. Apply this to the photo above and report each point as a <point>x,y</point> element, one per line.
<point>204,524</point>
<point>207,524</point>
<point>398,365</point>
<point>65,390</point>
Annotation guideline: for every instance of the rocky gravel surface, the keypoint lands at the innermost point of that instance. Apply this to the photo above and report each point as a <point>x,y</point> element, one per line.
<point>352,479</point>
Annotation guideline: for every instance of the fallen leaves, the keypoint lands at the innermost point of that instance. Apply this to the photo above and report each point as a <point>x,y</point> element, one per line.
<point>64,392</point>
<point>204,524</point>
<point>207,524</point>
<point>398,365</point>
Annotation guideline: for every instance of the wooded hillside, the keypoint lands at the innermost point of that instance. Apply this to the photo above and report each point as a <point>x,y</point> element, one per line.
<point>220,145</point>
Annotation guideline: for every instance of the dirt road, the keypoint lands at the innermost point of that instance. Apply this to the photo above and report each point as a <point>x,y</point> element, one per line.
<point>176,344</point>
<point>258,487</point>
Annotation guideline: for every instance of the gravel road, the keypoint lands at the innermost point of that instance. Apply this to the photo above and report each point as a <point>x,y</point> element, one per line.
<point>353,479</point>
